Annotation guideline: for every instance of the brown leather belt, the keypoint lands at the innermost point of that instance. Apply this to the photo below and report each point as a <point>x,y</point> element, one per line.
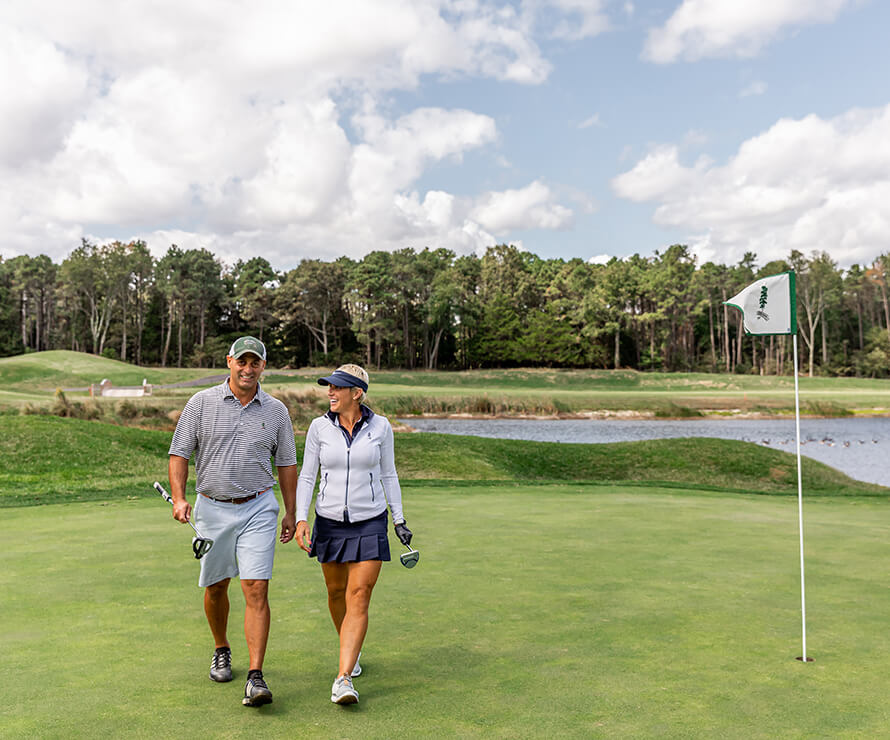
<point>242,500</point>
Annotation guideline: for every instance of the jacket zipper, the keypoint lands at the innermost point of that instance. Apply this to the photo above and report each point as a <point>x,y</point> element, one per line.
<point>346,496</point>
<point>371,476</point>
<point>324,486</point>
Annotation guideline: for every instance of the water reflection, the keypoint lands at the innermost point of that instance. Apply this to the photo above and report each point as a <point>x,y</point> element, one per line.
<point>854,446</point>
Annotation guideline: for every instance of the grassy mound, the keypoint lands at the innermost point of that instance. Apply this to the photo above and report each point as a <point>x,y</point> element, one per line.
<point>65,369</point>
<point>694,463</point>
<point>48,459</point>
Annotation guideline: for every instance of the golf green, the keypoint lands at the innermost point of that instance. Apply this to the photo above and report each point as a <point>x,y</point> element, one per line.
<point>540,611</point>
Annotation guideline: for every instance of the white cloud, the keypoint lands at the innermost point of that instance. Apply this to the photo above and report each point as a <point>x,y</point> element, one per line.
<point>804,184</point>
<point>262,131</point>
<point>39,89</point>
<point>600,259</point>
<point>572,20</point>
<point>659,172</point>
<point>594,120</point>
<point>700,29</point>
<point>531,207</point>
<point>758,87</point>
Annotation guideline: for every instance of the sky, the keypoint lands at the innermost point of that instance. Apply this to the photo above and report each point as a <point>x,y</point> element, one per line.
<point>571,128</point>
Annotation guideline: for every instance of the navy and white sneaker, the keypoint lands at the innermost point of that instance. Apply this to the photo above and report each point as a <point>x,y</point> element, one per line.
<point>343,692</point>
<point>221,665</point>
<point>256,693</point>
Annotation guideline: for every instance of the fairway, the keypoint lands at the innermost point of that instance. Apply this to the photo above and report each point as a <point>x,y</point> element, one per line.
<point>542,611</point>
<point>33,378</point>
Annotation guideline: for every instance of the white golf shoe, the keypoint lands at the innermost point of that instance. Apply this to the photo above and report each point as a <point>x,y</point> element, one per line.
<point>343,692</point>
<point>357,669</point>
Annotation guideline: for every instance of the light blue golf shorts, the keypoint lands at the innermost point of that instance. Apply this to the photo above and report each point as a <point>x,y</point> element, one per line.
<point>243,538</point>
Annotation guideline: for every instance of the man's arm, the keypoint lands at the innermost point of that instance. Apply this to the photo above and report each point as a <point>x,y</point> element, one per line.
<point>178,471</point>
<point>287,479</point>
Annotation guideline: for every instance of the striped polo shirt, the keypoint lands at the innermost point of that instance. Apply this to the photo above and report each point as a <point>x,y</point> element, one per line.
<point>234,444</point>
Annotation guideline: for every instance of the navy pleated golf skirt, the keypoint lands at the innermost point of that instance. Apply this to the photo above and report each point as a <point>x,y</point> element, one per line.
<point>350,542</point>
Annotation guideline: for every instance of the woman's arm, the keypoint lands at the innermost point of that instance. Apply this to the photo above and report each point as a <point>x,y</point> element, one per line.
<point>388,475</point>
<point>308,473</point>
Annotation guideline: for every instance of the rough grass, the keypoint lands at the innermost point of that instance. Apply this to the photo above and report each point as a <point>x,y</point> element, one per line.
<point>535,611</point>
<point>48,459</point>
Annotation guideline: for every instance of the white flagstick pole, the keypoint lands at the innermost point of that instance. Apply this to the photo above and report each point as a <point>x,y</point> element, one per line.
<point>803,598</point>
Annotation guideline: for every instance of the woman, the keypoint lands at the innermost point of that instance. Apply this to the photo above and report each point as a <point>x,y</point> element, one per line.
<point>354,448</point>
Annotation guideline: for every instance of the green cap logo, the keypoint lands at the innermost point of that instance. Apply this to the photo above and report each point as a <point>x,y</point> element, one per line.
<point>248,344</point>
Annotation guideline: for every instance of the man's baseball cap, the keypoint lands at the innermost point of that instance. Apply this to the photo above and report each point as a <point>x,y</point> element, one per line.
<point>248,344</point>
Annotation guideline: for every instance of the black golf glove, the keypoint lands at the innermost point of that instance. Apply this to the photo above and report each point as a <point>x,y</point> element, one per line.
<point>403,533</point>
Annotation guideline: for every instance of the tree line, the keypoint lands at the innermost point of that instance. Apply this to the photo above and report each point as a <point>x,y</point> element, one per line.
<point>434,309</point>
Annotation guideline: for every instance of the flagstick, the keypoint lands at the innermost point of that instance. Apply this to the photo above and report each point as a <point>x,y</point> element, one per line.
<point>803,598</point>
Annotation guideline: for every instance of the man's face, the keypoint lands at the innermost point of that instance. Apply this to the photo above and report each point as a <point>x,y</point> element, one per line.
<point>245,371</point>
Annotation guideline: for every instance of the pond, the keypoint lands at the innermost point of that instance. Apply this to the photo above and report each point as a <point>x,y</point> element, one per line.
<point>857,447</point>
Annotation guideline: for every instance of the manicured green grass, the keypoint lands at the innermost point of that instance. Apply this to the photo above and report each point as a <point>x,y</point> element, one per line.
<point>47,459</point>
<point>535,611</point>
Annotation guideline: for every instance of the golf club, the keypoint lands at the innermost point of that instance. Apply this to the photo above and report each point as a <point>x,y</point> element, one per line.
<point>409,559</point>
<point>200,545</point>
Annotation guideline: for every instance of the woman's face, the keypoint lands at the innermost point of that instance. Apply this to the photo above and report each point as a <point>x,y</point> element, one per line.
<point>343,400</point>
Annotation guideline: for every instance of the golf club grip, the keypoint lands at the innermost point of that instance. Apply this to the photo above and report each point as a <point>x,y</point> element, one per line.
<point>160,489</point>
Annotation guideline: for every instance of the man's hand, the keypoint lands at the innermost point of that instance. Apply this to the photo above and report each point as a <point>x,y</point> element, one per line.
<point>179,473</point>
<point>288,527</point>
<point>302,535</point>
<point>182,510</point>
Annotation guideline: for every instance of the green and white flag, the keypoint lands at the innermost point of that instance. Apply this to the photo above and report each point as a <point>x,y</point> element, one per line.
<point>768,305</point>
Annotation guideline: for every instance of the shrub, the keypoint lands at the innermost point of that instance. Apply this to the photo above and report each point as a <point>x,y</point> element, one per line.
<point>828,409</point>
<point>74,409</point>
<point>673,411</point>
<point>127,410</point>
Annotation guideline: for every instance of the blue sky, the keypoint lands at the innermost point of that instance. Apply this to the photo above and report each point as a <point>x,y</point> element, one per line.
<point>573,128</point>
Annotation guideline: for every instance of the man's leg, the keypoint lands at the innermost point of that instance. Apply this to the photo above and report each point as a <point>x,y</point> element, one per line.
<point>256,620</point>
<point>256,555</point>
<point>216,607</point>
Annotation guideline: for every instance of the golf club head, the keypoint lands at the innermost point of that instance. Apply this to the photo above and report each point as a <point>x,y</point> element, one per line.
<point>409,559</point>
<point>201,546</point>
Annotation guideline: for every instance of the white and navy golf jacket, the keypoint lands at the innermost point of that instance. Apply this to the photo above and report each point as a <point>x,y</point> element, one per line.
<point>358,473</point>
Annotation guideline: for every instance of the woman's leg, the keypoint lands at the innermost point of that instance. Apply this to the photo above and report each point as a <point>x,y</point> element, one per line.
<point>349,594</point>
<point>335,578</point>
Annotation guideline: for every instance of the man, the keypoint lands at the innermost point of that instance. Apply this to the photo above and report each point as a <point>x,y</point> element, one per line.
<point>235,429</point>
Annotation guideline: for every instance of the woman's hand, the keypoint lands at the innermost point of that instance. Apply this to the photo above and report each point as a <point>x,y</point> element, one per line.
<point>403,533</point>
<point>302,536</point>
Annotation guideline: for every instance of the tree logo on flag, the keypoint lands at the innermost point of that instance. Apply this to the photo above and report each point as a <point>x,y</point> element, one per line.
<point>761,314</point>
